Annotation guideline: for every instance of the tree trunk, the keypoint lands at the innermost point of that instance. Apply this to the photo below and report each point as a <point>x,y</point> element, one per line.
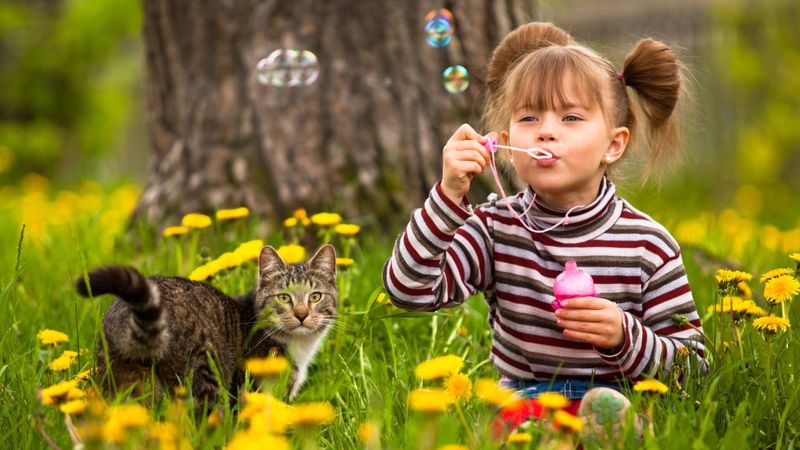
<point>365,138</point>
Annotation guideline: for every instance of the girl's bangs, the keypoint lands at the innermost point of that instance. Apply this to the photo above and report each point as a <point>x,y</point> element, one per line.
<point>552,77</point>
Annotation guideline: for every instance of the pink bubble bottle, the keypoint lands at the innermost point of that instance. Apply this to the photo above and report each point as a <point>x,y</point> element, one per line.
<point>572,282</point>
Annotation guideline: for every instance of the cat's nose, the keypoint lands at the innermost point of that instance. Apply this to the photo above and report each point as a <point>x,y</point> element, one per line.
<point>301,316</point>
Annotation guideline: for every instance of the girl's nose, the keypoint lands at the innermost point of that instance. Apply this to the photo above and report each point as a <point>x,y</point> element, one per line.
<point>546,132</point>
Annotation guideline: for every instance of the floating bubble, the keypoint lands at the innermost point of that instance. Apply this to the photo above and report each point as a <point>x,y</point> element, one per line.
<point>288,67</point>
<point>456,79</point>
<point>439,33</point>
<point>441,13</point>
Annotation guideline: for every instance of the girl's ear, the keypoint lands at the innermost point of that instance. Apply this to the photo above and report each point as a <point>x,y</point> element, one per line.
<point>616,148</point>
<point>503,137</point>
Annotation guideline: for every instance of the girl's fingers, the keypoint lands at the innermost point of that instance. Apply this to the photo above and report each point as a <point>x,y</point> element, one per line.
<point>466,132</point>
<point>590,338</point>
<point>470,168</point>
<point>583,315</point>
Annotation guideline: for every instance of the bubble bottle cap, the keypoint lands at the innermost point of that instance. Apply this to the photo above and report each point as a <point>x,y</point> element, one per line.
<point>572,282</point>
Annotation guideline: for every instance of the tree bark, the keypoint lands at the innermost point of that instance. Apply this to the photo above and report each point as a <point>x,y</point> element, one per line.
<point>364,139</point>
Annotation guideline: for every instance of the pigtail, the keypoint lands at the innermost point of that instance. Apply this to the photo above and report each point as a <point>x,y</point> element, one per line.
<point>653,71</point>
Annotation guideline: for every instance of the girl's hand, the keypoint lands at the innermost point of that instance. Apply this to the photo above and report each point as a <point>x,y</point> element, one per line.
<point>596,321</point>
<point>463,158</point>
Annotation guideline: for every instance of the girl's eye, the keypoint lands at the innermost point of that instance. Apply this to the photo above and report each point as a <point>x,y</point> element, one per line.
<point>571,118</point>
<point>315,297</point>
<point>528,119</point>
<point>283,298</point>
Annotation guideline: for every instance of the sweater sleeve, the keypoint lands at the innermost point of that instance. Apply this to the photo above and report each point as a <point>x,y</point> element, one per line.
<point>441,259</point>
<point>670,327</point>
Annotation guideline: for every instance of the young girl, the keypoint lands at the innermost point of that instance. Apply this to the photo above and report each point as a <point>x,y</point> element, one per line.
<point>549,93</point>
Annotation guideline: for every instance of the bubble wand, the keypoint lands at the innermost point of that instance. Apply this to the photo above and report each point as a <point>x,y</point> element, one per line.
<point>491,146</point>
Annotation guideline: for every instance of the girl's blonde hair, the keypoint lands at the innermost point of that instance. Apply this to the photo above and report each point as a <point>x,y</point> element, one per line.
<point>531,65</point>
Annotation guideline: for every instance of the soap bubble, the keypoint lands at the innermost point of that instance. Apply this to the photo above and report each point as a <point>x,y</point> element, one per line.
<point>456,79</point>
<point>441,13</point>
<point>288,67</point>
<point>439,33</point>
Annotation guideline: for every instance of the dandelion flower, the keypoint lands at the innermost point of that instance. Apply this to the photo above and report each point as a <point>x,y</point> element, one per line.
<point>744,289</point>
<point>368,433</point>
<point>196,220</point>
<point>382,298</point>
<point>266,411</point>
<point>120,418</point>
<point>52,337</point>
<point>64,361</point>
<point>752,309</point>
<point>552,400</point>
<point>347,229</point>
<point>174,231</point>
<point>458,386</point>
<point>326,219</point>
<point>290,222</point>
<point>771,323</point>
<point>650,385</point>
<point>83,376</point>
<point>728,304</point>
<point>214,419</point>
<point>300,214</point>
<point>429,400</point>
<point>726,277</point>
<point>292,253</point>
<point>775,273</point>
<point>781,289</point>
<point>250,250</point>
<point>344,262</point>
<point>205,271</point>
<point>232,214</point>
<point>795,257</point>
<point>491,392</point>
<point>251,439</point>
<point>73,407</point>
<point>440,367</point>
<point>566,420</point>
<point>50,394</point>
<point>312,414</point>
<point>271,366</point>
<point>229,260</point>
<point>519,438</point>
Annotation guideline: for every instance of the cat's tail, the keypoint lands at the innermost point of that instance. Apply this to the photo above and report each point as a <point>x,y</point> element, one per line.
<point>140,295</point>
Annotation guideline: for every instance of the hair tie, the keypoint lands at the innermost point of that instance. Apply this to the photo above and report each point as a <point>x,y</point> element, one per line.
<point>621,76</point>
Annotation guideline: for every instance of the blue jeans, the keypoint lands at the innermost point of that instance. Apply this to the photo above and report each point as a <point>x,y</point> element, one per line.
<point>572,389</point>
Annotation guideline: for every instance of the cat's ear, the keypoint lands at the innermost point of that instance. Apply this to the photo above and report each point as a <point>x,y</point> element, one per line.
<point>270,261</point>
<point>324,260</point>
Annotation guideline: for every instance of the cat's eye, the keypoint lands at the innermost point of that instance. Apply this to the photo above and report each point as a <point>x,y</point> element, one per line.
<point>283,298</point>
<point>315,297</point>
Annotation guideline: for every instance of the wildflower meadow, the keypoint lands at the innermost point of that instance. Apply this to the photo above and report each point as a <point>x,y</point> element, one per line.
<point>384,378</point>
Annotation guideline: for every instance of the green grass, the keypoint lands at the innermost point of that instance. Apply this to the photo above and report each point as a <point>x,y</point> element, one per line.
<point>366,367</point>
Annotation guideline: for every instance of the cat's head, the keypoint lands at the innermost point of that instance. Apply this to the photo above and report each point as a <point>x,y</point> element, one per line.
<point>296,299</point>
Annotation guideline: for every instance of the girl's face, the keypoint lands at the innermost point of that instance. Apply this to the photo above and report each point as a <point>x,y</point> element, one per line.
<point>582,143</point>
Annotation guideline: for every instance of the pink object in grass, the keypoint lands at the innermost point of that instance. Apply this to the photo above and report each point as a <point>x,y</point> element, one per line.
<point>572,282</point>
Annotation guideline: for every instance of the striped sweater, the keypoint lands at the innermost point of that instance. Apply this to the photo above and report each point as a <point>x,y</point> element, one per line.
<point>446,254</point>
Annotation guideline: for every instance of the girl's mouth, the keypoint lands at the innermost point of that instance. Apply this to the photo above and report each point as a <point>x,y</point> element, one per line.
<point>546,162</point>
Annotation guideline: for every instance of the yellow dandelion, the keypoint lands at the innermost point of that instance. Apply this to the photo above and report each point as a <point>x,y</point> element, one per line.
<point>519,438</point>
<point>83,375</point>
<point>165,433</point>
<point>490,392</point>
<point>326,219</point>
<point>229,260</point>
<point>744,289</point>
<point>726,277</point>
<point>264,410</point>
<point>344,262</point>
<point>64,361</point>
<point>268,367</point>
<point>728,304</point>
<point>232,214</point>
<point>73,407</point>
<point>347,229</point>
<point>214,419</point>
<point>75,394</point>
<point>781,289</point>
<point>429,400</point>
<point>300,214</point>
<point>458,386</point>
<point>49,395</point>
<point>292,253</point>
<point>752,309</point>
<point>205,271</point>
<point>440,367</point>
<point>771,323</point>
<point>775,273</point>
<point>174,231</point>
<point>196,220</point>
<point>382,298</point>
<point>120,419</point>
<point>290,222</point>
<point>181,391</point>
<point>52,337</point>
<point>250,250</point>
<point>312,414</point>
<point>254,439</point>
<point>552,400</point>
<point>568,421</point>
<point>651,385</point>
<point>462,331</point>
<point>368,433</point>
<point>795,257</point>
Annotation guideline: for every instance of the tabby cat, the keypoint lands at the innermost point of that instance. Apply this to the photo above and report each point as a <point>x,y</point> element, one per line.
<point>167,328</point>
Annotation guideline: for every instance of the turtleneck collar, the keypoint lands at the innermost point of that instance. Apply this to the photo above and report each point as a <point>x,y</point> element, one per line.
<point>584,223</point>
